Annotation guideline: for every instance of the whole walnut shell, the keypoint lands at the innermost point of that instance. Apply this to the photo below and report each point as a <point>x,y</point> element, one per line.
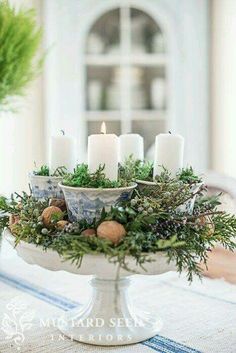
<point>61,224</point>
<point>90,232</point>
<point>58,203</point>
<point>13,219</point>
<point>48,213</point>
<point>112,231</point>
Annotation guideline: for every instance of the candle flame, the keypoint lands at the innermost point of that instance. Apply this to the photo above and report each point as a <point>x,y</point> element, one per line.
<point>103,128</point>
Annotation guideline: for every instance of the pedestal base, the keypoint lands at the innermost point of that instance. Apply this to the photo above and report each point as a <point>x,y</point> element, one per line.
<point>109,318</point>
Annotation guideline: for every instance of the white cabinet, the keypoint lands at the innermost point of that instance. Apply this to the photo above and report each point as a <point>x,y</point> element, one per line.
<point>138,65</point>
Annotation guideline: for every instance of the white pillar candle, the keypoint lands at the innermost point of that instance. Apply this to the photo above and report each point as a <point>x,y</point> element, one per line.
<point>169,151</point>
<point>62,153</point>
<point>103,150</point>
<point>130,144</point>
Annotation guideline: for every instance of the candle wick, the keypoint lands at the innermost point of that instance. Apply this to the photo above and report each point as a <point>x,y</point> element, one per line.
<point>63,132</point>
<point>103,128</point>
<point>169,132</point>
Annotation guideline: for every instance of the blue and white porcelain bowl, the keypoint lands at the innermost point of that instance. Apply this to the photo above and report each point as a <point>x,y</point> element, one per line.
<point>87,203</point>
<point>186,207</point>
<point>45,187</point>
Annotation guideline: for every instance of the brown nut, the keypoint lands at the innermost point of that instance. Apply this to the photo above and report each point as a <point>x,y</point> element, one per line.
<point>61,224</point>
<point>90,232</point>
<point>13,219</point>
<point>49,213</point>
<point>58,203</point>
<point>112,231</point>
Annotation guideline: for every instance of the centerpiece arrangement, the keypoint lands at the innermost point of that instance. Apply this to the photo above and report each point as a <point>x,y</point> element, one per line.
<point>106,216</point>
<point>151,220</point>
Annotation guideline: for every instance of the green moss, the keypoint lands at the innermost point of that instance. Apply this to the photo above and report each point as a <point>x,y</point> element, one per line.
<point>84,179</point>
<point>44,171</point>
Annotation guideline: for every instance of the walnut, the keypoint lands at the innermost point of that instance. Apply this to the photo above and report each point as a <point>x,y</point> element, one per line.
<point>112,231</point>
<point>58,203</point>
<point>61,224</point>
<point>13,219</point>
<point>90,232</point>
<point>49,213</point>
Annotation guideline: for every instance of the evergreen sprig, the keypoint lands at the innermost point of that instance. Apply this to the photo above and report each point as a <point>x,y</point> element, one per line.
<point>135,169</point>
<point>187,175</point>
<point>20,39</point>
<point>153,221</point>
<point>143,170</point>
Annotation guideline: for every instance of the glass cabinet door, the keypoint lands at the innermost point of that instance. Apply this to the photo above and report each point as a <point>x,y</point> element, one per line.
<point>125,65</point>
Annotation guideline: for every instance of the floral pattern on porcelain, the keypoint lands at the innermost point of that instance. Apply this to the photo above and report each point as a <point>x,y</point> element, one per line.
<point>85,203</point>
<point>45,187</point>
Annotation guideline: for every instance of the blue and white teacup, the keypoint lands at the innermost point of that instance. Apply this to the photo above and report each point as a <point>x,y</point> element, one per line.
<point>45,187</point>
<point>187,206</point>
<point>87,203</point>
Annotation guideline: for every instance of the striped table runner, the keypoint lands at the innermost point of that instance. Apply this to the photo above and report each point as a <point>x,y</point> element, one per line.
<point>197,318</point>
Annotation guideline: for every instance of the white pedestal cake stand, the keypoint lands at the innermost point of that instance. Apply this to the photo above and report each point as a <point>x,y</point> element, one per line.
<point>109,318</point>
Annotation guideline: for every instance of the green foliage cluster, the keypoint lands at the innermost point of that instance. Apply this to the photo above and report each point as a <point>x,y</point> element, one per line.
<point>83,178</point>
<point>188,176</point>
<point>153,219</point>
<point>135,169</point>
<point>44,171</point>
<point>20,39</point>
<point>4,209</point>
<point>143,170</point>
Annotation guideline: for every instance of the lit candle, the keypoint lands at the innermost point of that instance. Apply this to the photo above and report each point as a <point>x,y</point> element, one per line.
<point>103,150</point>
<point>62,152</point>
<point>169,151</point>
<point>130,144</point>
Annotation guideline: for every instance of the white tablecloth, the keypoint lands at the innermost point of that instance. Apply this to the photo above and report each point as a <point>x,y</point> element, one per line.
<point>197,318</point>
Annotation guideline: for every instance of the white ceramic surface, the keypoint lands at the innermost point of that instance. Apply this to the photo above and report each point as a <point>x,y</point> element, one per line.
<point>45,187</point>
<point>35,255</point>
<point>109,318</point>
<point>87,203</point>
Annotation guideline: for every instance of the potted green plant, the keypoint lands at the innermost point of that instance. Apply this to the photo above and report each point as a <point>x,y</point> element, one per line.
<point>20,39</point>
<point>44,185</point>
<point>185,181</point>
<point>86,194</point>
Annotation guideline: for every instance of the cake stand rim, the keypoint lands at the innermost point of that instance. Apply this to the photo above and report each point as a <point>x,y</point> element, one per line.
<point>33,254</point>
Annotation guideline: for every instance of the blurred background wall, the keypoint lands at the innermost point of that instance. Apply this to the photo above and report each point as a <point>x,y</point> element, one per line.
<point>22,132</point>
<point>144,66</point>
<point>223,86</point>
